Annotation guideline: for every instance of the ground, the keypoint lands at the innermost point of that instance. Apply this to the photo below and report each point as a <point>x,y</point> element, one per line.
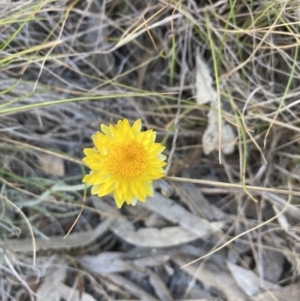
<point>219,83</point>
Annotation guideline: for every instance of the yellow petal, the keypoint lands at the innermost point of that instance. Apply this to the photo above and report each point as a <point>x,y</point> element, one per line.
<point>105,130</point>
<point>118,198</point>
<point>133,201</point>
<point>90,151</point>
<point>95,189</point>
<point>106,188</point>
<point>136,128</point>
<point>94,178</point>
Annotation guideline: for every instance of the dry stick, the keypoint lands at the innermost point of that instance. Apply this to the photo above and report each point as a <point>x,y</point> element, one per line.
<point>150,36</point>
<point>233,185</point>
<point>241,234</point>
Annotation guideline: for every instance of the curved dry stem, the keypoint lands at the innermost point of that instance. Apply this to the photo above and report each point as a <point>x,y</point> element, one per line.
<point>77,218</point>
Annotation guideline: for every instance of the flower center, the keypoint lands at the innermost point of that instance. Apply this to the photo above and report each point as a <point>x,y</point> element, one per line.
<point>126,160</point>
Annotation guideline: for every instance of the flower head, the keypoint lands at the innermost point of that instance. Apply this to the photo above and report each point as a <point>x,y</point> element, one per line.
<point>124,162</point>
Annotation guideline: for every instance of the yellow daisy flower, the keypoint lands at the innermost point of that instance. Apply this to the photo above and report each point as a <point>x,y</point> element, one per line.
<point>124,162</point>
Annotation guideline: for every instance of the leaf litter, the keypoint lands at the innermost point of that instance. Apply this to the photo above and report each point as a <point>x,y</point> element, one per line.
<point>205,93</point>
<point>91,76</point>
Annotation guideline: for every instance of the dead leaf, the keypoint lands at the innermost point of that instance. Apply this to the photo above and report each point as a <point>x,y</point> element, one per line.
<point>151,261</point>
<point>282,219</point>
<point>205,93</point>
<point>33,282</point>
<point>51,164</point>
<point>106,262</point>
<point>154,237</point>
<point>191,226</point>
<point>192,193</point>
<point>245,279</point>
<point>288,293</point>
<point>147,237</point>
<point>159,286</point>
<point>210,139</point>
<point>130,287</point>
<point>48,289</point>
<point>154,220</point>
<point>177,214</point>
<point>272,265</point>
<point>69,293</point>
<point>291,209</point>
<point>74,240</point>
<point>212,276</point>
